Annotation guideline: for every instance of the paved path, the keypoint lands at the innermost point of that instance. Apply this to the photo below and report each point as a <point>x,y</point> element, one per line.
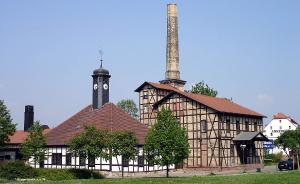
<point>184,173</point>
<point>191,172</point>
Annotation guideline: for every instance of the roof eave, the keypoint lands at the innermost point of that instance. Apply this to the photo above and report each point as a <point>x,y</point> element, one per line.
<point>141,86</point>
<point>252,115</point>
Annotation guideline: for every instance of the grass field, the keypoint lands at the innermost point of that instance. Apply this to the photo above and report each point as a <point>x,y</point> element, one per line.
<point>265,178</point>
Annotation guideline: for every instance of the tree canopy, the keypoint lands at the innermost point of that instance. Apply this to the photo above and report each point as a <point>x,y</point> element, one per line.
<point>7,127</point>
<point>204,89</point>
<point>92,142</point>
<point>166,143</point>
<point>128,106</point>
<point>35,143</point>
<point>290,140</point>
<point>123,143</point>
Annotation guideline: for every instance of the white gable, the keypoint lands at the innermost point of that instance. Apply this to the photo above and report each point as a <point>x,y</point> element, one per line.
<point>277,126</point>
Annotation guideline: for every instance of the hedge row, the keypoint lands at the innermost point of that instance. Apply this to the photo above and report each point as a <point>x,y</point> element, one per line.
<point>274,157</point>
<point>14,170</point>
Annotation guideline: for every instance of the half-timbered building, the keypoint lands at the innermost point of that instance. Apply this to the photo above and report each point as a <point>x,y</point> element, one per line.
<point>107,117</point>
<point>221,133</point>
<point>103,115</point>
<point>216,127</point>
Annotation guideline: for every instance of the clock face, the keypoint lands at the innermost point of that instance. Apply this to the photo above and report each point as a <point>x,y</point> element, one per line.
<point>105,86</point>
<point>95,86</point>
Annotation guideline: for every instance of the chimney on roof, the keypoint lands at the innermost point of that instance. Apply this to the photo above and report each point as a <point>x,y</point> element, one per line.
<point>28,117</point>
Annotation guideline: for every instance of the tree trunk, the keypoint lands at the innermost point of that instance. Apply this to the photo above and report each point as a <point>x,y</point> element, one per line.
<point>122,170</point>
<point>167,170</point>
<point>298,161</point>
<point>293,157</point>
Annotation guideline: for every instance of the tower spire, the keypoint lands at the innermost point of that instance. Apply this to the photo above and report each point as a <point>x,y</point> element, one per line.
<point>100,85</point>
<point>172,75</point>
<point>101,57</point>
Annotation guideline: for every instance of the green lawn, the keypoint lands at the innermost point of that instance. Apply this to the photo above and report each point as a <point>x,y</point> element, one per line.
<point>265,178</point>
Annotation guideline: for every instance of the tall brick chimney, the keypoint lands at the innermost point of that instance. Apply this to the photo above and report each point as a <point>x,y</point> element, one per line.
<point>172,75</point>
<point>28,117</point>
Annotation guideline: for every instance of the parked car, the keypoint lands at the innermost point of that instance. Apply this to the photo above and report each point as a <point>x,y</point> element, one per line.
<point>285,164</point>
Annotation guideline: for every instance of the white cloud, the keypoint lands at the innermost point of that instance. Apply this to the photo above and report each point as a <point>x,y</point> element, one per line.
<point>264,98</point>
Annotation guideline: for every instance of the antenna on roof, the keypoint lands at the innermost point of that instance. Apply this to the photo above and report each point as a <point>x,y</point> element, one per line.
<point>101,55</point>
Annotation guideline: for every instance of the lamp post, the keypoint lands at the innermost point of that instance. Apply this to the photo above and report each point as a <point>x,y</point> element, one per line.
<point>243,146</point>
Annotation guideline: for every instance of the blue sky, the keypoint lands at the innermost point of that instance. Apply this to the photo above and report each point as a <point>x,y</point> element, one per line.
<point>247,50</point>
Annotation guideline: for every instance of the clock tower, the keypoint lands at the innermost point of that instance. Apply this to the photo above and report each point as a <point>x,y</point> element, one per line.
<point>100,87</point>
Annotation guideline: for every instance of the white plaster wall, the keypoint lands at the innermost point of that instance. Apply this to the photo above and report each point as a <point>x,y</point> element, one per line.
<point>275,128</point>
<point>100,164</point>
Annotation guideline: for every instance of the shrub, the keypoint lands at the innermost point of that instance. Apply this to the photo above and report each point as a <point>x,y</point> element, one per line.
<point>68,174</point>
<point>268,162</point>
<point>274,157</point>
<point>212,174</point>
<point>17,169</point>
<point>278,157</point>
<point>54,174</point>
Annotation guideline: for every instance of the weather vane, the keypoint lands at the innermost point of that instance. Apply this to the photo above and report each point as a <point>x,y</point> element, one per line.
<point>101,55</point>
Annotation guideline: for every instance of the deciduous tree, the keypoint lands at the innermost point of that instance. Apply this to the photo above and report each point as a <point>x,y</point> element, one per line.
<point>128,106</point>
<point>123,143</point>
<point>166,143</point>
<point>35,143</point>
<point>204,89</point>
<point>92,142</point>
<point>290,140</point>
<point>7,128</point>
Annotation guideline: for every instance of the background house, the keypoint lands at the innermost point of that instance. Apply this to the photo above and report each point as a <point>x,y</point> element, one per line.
<point>279,124</point>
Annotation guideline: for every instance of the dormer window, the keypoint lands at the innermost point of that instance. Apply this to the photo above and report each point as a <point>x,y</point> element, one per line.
<point>271,128</point>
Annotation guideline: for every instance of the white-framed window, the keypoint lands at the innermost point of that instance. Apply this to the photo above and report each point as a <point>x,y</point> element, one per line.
<point>290,127</point>
<point>56,159</point>
<point>280,127</point>
<point>69,159</point>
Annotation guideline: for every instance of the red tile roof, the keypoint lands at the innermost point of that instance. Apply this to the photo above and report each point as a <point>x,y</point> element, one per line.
<point>20,136</point>
<point>108,117</point>
<point>218,104</point>
<point>280,116</point>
